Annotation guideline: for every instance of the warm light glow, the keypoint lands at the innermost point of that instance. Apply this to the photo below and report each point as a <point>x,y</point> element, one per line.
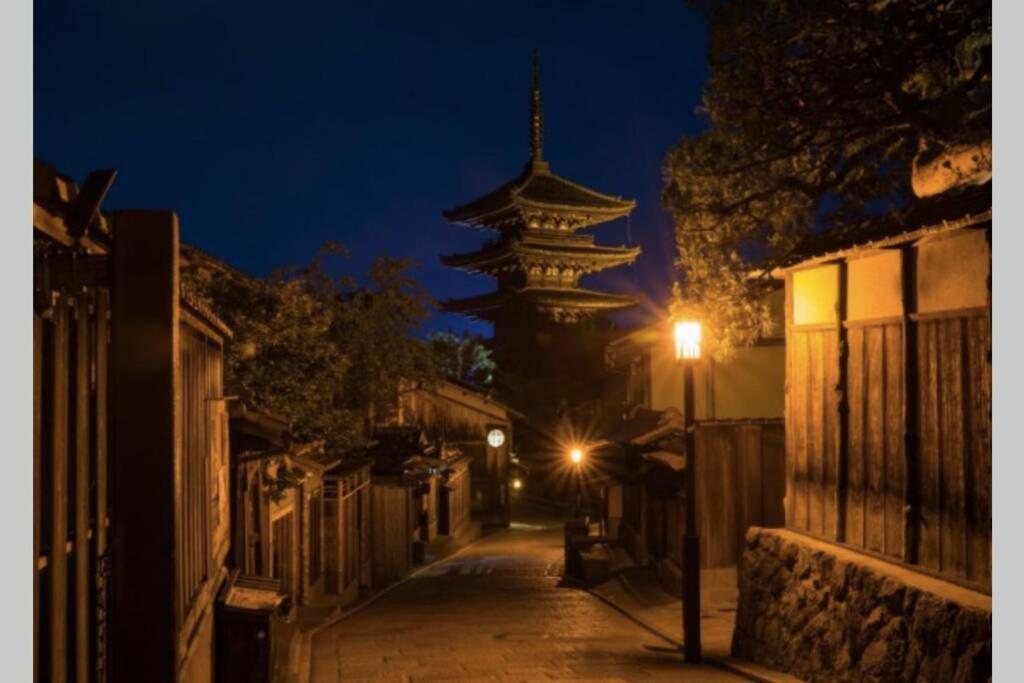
<point>687,340</point>
<point>496,438</point>
<point>517,484</point>
<point>576,455</point>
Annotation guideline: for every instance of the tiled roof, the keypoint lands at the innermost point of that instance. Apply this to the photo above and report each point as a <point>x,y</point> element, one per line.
<point>484,304</point>
<point>516,250</point>
<point>955,208</point>
<point>538,188</point>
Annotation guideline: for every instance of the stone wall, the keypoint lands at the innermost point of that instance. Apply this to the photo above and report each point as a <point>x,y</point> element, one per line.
<point>826,613</point>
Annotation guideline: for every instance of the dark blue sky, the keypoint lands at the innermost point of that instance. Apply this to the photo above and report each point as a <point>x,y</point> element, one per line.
<point>271,127</point>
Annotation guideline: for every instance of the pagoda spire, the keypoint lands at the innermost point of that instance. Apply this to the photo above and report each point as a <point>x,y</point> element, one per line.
<point>536,115</point>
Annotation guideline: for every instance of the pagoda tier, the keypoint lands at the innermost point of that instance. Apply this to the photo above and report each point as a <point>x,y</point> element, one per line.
<point>569,304</point>
<point>539,259</point>
<point>533,253</point>
<point>539,199</point>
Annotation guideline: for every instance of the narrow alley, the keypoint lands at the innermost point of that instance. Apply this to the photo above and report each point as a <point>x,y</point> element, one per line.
<point>497,612</point>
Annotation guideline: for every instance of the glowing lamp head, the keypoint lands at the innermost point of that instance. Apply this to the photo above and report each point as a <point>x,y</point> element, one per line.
<point>687,333</point>
<point>496,438</point>
<point>517,484</point>
<point>576,456</point>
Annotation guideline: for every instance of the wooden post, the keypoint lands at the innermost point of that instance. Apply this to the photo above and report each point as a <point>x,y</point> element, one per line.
<point>145,412</point>
<point>83,394</point>
<point>100,604</point>
<point>911,430</point>
<point>842,404</point>
<point>37,481</point>
<point>59,494</point>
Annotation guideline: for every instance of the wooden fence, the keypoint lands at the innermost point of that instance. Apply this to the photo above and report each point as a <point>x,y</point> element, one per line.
<point>740,483</point>
<point>888,406</point>
<point>129,454</point>
<point>70,451</point>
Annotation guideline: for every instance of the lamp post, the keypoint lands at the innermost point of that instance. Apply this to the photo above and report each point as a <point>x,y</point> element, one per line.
<point>688,340</point>
<point>576,458</point>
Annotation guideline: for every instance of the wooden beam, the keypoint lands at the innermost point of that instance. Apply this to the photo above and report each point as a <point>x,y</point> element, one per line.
<point>37,481</point>
<point>911,419</point>
<point>59,493</point>
<point>101,605</point>
<point>842,405</point>
<point>146,474</point>
<point>83,395</point>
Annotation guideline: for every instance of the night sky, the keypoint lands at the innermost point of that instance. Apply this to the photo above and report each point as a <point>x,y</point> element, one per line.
<point>271,127</point>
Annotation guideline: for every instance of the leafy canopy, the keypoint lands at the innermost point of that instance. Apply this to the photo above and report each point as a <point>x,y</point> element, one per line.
<point>317,350</point>
<point>816,111</point>
<point>465,358</point>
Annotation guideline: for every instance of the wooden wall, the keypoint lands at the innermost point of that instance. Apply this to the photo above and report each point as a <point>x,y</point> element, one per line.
<point>740,483</point>
<point>391,530</point>
<point>954,477</point>
<point>888,403</point>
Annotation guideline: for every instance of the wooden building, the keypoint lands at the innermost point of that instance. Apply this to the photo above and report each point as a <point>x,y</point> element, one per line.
<point>347,540</point>
<point>738,405</point>
<point>888,409</point>
<point>279,499</point>
<point>470,420</point>
<point>749,385</point>
<point>129,407</point>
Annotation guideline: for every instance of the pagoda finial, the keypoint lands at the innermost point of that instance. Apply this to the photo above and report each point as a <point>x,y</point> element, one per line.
<point>536,115</point>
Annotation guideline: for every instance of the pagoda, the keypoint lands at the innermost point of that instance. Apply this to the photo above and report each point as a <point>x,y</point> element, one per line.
<point>538,308</point>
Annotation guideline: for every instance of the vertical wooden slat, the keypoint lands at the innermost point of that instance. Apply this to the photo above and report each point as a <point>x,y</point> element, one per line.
<point>787,398</point>
<point>798,412</point>
<point>58,568</point>
<point>953,447</point>
<point>979,521</point>
<point>813,452</point>
<point>874,522</point>
<point>839,433</point>
<point>911,391</point>
<point>854,532</point>
<point>37,483</point>
<point>100,346</point>
<point>895,463</point>
<point>82,485</point>
<point>834,389</point>
<point>929,489</point>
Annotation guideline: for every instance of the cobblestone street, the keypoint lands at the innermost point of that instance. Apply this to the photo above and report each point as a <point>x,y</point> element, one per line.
<point>496,612</point>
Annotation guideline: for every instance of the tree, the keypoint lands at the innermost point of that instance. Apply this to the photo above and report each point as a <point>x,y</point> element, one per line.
<point>822,114</point>
<point>375,328</point>
<point>465,358</point>
<point>317,350</point>
<point>283,359</point>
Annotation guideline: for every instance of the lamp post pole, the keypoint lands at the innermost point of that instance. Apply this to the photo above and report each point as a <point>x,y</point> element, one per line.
<point>691,541</point>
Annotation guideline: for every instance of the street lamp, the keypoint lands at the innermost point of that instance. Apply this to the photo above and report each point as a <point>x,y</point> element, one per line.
<point>576,458</point>
<point>688,341</point>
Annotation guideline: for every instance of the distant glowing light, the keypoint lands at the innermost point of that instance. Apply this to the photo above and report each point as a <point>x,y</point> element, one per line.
<point>517,484</point>
<point>688,338</point>
<point>576,455</point>
<point>496,438</point>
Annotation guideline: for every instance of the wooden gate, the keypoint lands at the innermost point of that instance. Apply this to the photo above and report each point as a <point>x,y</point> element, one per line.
<point>70,335</point>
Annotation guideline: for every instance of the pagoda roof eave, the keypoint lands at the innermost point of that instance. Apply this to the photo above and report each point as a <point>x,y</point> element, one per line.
<point>484,259</point>
<point>485,305</point>
<point>538,189</point>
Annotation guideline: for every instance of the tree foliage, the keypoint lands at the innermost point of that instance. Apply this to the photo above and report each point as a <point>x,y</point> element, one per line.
<point>817,110</point>
<point>315,349</point>
<point>465,358</point>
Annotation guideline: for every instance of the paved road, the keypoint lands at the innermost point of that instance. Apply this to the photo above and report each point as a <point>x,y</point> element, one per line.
<point>496,612</point>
